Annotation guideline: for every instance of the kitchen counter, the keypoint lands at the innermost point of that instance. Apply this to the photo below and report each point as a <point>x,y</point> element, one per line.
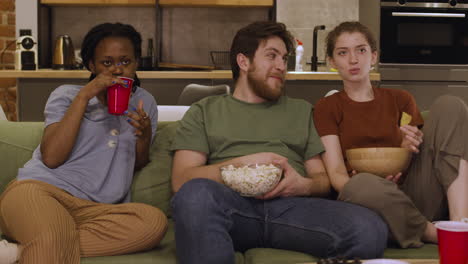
<point>34,87</point>
<point>82,74</point>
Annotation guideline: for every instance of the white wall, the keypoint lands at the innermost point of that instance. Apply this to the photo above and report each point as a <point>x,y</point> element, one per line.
<point>301,16</point>
<point>26,16</point>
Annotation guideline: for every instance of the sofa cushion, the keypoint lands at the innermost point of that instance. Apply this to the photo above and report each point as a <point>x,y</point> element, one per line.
<point>152,185</point>
<point>278,256</point>
<point>428,251</point>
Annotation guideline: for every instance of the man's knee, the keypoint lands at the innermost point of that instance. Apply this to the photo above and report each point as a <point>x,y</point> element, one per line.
<point>196,196</point>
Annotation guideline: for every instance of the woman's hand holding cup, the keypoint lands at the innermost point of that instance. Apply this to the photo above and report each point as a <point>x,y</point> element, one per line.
<point>99,85</point>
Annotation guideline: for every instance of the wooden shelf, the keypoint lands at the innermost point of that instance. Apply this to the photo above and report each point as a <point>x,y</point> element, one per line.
<point>217,3</point>
<point>186,3</point>
<point>222,74</point>
<point>99,2</point>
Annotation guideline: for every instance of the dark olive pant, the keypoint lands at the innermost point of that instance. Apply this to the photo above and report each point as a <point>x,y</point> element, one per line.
<point>423,195</point>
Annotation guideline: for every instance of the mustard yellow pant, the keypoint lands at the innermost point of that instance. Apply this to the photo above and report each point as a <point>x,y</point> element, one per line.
<point>53,226</point>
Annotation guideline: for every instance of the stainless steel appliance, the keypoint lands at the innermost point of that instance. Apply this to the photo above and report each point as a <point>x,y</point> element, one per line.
<point>64,54</point>
<point>424,31</point>
<point>424,48</point>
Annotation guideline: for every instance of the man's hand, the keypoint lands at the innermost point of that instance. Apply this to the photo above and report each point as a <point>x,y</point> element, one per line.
<point>292,184</point>
<point>412,138</point>
<point>394,178</point>
<point>189,164</point>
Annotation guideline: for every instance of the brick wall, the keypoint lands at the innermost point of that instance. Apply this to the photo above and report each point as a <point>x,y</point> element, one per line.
<point>7,35</point>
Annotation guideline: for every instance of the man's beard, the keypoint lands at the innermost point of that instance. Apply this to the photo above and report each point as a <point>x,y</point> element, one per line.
<point>262,89</point>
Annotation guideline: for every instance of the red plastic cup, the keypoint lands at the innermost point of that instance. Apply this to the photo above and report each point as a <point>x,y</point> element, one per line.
<point>453,242</point>
<point>118,96</point>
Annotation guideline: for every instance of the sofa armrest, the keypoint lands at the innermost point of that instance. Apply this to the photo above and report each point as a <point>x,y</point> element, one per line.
<point>17,143</point>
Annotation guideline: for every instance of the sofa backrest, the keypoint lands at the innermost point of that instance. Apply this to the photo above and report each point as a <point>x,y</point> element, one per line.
<point>171,112</point>
<point>151,185</point>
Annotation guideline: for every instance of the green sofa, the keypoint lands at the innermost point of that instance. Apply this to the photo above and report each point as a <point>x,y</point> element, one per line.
<point>152,186</point>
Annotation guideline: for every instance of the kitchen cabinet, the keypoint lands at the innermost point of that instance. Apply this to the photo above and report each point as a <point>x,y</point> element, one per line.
<point>34,87</point>
<point>425,92</point>
<point>426,82</point>
<point>218,3</point>
<point>99,2</point>
<point>172,31</point>
<point>185,3</point>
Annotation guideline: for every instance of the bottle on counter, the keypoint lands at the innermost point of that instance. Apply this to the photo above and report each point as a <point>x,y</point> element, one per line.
<point>150,48</point>
<point>147,62</point>
<point>299,54</point>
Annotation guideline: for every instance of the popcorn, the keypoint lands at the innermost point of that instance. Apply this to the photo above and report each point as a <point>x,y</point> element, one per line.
<point>251,180</point>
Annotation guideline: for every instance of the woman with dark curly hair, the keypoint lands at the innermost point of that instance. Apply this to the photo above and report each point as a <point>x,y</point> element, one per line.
<point>76,187</point>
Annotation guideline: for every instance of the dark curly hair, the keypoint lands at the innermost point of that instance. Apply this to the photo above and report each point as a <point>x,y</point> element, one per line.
<point>248,39</point>
<point>102,31</point>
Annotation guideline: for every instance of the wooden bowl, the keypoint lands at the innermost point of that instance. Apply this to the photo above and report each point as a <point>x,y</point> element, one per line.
<point>379,161</point>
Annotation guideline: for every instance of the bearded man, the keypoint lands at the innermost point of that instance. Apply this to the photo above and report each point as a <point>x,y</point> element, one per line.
<point>258,124</point>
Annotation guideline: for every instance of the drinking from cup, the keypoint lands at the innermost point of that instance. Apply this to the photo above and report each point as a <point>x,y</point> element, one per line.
<point>118,96</point>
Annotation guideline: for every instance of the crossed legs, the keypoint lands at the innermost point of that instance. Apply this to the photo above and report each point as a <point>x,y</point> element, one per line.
<point>54,227</point>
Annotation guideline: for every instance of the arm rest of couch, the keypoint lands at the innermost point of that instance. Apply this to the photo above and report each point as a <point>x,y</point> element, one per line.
<point>17,143</point>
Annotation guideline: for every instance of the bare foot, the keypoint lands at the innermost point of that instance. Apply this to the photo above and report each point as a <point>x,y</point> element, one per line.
<point>9,252</point>
<point>430,234</point>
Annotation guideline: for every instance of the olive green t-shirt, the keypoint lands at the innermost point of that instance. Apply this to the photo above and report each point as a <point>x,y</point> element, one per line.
<point>225,128</point>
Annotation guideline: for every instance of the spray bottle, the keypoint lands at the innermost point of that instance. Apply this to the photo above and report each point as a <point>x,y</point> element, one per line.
<point>299,54</point>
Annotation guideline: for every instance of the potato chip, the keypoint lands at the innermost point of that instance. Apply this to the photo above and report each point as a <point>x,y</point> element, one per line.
<point>405,119</point>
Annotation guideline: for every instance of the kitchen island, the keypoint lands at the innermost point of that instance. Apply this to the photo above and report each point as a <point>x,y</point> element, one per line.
<point>34,87</point>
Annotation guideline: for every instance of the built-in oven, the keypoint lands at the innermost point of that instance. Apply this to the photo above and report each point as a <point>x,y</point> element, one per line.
<point>424,32</point>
